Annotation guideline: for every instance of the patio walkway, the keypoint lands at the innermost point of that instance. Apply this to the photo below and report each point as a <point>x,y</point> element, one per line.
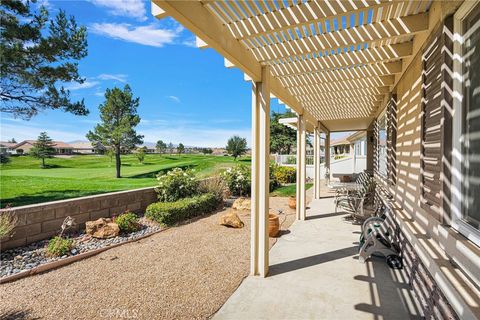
<point>315,274</point>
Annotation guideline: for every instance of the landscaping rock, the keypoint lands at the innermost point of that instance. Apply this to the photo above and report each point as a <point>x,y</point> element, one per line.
<point>231,219</point>
<point>102,228</point>
<point>241,204</point>
<point>28,257</point>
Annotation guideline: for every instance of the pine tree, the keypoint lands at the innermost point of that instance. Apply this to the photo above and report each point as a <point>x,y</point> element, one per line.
<point>119,118</point>
<point>38,53</point>
<point>43,148</point>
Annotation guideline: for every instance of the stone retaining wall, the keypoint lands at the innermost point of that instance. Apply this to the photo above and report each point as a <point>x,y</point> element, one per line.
<point>42,221</point>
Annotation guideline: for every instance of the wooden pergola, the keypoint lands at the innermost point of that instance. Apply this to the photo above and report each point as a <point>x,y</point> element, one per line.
<point>332,62</point>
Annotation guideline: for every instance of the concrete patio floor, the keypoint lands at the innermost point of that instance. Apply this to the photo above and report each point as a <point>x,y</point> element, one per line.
<point>315,274</point>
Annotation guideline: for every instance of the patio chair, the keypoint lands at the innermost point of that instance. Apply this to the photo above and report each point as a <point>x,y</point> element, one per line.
<point>355,202</point>
<point>362,180</point>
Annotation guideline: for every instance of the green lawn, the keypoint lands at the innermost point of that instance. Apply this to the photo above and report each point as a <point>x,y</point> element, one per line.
<point>288,191</point>
<point>22,181</point>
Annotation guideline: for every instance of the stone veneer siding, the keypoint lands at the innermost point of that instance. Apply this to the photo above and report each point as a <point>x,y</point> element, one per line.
<point>42,221</point>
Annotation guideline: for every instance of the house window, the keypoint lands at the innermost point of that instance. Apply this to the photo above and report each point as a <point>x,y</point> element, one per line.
<point>467,122</point>
<point>382,145</point>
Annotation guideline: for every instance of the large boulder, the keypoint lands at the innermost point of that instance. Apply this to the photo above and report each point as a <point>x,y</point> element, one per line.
<point>231,219</point>
<point>242,204</point>
<point>102,228</point>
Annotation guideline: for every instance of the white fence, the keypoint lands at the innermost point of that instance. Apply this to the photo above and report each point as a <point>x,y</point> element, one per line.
<point>339,167</point>
<point>289,159</point>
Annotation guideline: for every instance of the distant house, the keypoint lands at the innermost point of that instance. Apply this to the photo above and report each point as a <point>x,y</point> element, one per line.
<point>353,144</point>
<point>149,148</point>
<point>219,151</point>
<point>86,147</point>
<point>6,147</point>
<point>25,146</point>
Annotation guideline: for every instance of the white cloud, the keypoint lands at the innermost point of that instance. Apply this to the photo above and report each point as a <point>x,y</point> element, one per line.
<point>85,85</point>
<point>127,8</point>
<point>147,35</point>
<point>117,77</point>
<point>191,42</point>
<point>174,98</point>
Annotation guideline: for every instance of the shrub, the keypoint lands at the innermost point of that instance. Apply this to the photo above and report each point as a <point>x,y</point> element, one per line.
<point>168,213</point>
<point>7,222</point>
<point>238,180</point>
<point>4,158</point>
<point>59,246</point>
<point>127,222</point>
<point>285,174</point>
<point>214,185</point>
<point>176,184</point>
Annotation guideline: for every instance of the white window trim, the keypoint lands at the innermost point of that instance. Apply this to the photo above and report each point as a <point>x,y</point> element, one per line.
<point>458,223</point>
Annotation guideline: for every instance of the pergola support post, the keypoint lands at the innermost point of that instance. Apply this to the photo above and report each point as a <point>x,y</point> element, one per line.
<point>301,168</point>
<point>327,154</point>
<point>316,162</point>
<point>260,175</point>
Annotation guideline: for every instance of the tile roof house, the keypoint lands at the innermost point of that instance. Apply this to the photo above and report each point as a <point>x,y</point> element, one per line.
<point>25,146</point>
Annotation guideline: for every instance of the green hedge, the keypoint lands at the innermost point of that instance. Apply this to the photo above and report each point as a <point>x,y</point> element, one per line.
<point>169,213</point>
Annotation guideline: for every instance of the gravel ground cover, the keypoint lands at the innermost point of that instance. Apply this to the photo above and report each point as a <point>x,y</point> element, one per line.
<point>186,272</point>
<point>26,258</point>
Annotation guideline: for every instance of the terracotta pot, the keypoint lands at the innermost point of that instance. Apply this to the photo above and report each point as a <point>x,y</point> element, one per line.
<point>292,202</point>
<point>273,225</point>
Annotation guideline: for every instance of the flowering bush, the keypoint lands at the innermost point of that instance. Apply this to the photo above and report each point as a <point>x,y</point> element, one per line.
<point>285,174</point>
<point>238,180</point>
<point>176,184</point>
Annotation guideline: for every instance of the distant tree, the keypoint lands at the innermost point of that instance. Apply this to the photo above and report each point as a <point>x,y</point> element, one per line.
<point>180,148</point>
<point>119,118</point>
<point>160,146</point>
<point>37,53</point>
<point>141,154</point>
<point>43,148</point>
<point>207,151</point>
<point>12,140</point>
<point>170,148</point>
<point>282,138</point>
<point>110,153</point>
<point>236,146</point>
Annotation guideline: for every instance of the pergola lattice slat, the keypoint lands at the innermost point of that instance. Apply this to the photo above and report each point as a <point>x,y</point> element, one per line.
<point>321,53</point>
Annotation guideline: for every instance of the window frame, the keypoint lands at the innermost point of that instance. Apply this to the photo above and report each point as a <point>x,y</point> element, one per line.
<point>383,115</point>
<point>458,222</point>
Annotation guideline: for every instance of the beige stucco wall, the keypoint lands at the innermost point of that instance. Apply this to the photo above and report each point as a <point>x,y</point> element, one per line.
<point>453,261</point>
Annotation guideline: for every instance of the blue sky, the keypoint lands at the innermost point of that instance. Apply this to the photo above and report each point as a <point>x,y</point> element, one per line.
<point>186,94</point>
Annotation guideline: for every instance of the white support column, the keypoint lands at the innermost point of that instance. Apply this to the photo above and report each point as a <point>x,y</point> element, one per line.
<point>316,162</point>
<point>327,153</point>
<point>260,175</point>
<point>301,168</point>
<point>298,164</point>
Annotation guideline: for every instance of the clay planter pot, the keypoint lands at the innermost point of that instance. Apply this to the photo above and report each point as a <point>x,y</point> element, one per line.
<point>273,225</point>
<point>292,202</point>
